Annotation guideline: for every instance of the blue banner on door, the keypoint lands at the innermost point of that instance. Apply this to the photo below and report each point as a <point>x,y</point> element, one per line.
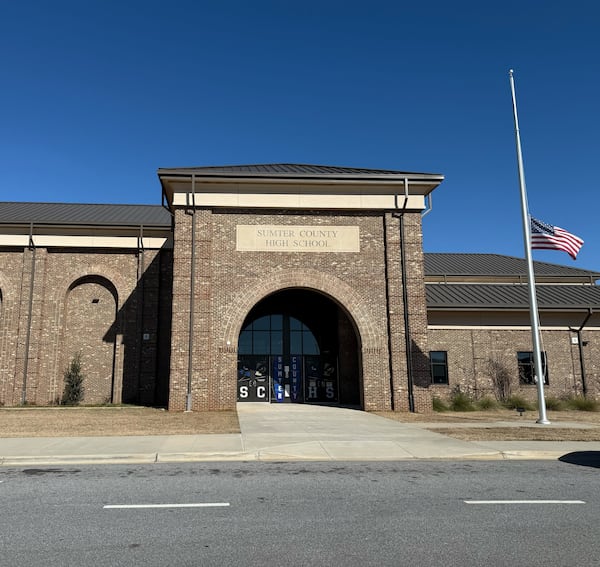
<point>278,376</point>
<point>296,378</point>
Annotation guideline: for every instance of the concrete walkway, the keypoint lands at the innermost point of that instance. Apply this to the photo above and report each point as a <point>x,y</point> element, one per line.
<point>283,432</point>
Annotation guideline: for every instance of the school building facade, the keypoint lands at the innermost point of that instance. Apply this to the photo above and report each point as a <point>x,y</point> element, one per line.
<point>281,283</point>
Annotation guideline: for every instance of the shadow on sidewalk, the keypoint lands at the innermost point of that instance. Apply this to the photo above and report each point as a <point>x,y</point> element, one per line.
<point>582,458</point>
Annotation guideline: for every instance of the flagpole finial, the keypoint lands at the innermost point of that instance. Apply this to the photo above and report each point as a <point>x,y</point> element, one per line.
<point>510,72</point>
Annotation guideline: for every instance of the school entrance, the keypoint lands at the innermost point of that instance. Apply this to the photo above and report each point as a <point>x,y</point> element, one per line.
<point>298,346</point>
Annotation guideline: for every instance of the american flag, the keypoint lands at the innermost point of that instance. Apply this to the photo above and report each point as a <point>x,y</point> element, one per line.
<point>547,237</point>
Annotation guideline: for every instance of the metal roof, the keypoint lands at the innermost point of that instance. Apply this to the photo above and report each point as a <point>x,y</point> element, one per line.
<point>84,214</point>
<point>290,169</point>
<point>457,264</point>
<point>510,296</point>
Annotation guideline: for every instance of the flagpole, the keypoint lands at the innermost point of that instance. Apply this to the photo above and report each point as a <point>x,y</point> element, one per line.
<point>533,307</point>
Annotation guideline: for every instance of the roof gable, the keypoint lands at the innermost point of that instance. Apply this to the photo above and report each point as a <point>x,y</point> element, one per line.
<point>288,169</point>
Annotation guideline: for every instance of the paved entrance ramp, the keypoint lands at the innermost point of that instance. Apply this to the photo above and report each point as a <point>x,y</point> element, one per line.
<point>311,432</point>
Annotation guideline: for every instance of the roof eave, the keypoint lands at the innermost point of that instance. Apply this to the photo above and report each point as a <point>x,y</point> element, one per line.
<point>504,308</point>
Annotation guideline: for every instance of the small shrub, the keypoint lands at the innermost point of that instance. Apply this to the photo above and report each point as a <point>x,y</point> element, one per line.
<point>582,404</point>
<point>501,379</point>
<point>555,404</point>
<point>439,404</point>
<point>461,402</point>
<point>515,401</point>
<point>487,403</point>
<point>73,392</point>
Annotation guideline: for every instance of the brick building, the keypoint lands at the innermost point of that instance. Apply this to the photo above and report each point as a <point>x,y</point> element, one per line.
<point>273,283</point>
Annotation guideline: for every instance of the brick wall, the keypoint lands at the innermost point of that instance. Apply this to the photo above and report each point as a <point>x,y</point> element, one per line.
<point>229,283</point>
<point>10,301</point>
<point>96,302</point>
<point>469,351</point>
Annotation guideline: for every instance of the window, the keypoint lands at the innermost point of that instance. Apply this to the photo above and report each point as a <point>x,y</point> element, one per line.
<point>527,368</point>
<point>277,334</point>
<point>438,364</point>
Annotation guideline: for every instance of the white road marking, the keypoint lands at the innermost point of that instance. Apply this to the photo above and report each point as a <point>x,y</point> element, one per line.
<point>524,501</point>
<point>197,505</point>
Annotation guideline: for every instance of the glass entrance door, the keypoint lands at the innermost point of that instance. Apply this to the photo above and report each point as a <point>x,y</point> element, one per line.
<point>279,360</point>
<point>287,379</point>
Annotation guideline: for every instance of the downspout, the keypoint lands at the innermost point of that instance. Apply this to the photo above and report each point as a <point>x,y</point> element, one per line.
<point>429,205</point>
<point>29,316</point>
<point>141,269</point>
<point>388,307</point>
<point>581,345</point>
<point>407,335</point>
<point>188,397</point>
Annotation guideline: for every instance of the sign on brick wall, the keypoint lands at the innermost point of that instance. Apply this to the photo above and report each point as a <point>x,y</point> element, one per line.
<point>285,238</point>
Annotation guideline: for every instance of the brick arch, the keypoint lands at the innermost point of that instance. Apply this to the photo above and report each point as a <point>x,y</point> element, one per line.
<point>56,314</point>
<point>89,318</point>
<point>336,289</point>
<point>112,277</point>
<point>97,279</point>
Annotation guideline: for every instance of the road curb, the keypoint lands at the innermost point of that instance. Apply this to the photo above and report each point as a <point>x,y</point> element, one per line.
<point>140,458</point>
<point>157,458</point>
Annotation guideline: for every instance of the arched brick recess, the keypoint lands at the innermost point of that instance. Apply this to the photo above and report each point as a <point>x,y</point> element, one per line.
<point>373,344</point>
<point>55,320</point>
<point>338,290</point>
<point>90,310</point>
<point>113,277</point>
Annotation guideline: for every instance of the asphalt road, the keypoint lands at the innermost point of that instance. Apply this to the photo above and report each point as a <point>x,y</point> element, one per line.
<point>401,513</point>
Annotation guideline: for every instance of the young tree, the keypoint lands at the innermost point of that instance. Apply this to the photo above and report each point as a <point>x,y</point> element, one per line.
<point>501,379</point>
<point>73,392</point>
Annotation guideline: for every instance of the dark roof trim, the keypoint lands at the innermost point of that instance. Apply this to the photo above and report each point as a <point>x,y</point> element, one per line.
<point>296,171</point>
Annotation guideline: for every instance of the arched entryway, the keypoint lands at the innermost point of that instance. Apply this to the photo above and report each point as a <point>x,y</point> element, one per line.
<point>298,345</point>
<point>90,315</point>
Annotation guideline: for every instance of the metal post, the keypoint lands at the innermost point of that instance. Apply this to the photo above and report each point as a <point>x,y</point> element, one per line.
<point>29,316</point>
<point>533,308</point>
<point>581,345</point>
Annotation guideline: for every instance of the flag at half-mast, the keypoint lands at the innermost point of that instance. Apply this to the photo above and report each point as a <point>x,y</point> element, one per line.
<point>544,236</point>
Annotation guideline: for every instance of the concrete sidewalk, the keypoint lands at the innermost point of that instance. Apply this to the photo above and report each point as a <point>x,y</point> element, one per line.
<point>283,432</point>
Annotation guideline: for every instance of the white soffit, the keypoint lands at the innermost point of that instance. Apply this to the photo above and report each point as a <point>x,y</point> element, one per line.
<point>300,200</point>
<point>62,241</point>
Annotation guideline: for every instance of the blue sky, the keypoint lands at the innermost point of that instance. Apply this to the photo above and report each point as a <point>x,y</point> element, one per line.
<point>97,95</point>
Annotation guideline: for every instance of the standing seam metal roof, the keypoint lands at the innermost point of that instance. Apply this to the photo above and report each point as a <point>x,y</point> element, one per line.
<point>288,169</point>
<point>515,296</point>
<point>462,264</point>
<point>84,214</point>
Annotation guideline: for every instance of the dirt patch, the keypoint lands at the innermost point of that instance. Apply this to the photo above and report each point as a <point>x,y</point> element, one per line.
<point>522,428</point>
<point>529,417</point>
<point>94,422</point>
<point>519,434</point>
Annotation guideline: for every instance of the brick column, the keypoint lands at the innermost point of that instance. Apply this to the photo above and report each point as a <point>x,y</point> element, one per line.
<point>202,337</point>
<point>30,325</point>
<point>417,310</point>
